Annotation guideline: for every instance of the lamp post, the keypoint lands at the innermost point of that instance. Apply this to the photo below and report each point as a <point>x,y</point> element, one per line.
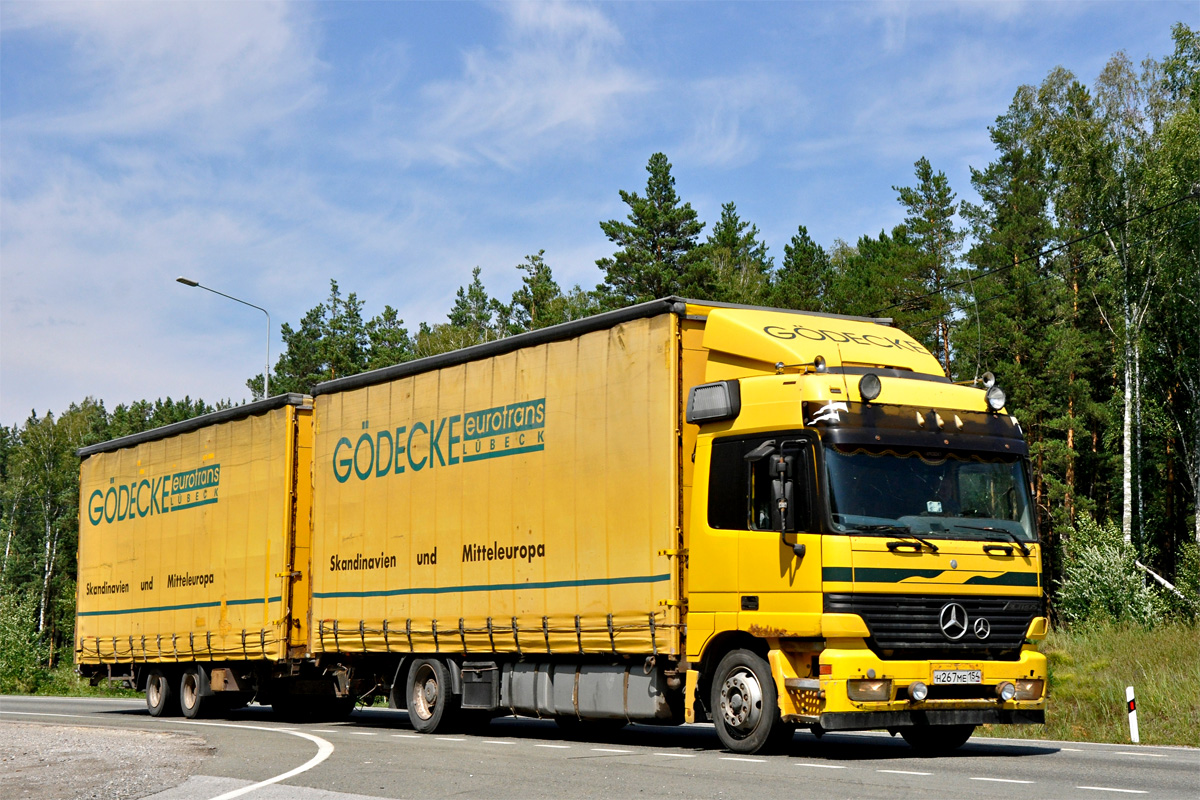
<point>267,369</point>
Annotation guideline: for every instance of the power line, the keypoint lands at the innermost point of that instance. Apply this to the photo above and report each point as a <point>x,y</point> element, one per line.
<point>1195,193</point>
<point>1026,285</point>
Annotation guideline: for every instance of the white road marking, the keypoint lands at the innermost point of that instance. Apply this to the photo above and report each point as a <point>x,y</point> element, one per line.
<point>324,747</point>
<point>323,730</point>
<point>324,751</point>
<point>674,755</point>
<point>1000,780</point>
<point>609,750</point>
<point>1071,749</point>
<point>490,741</point>
<point>820,766</point>
<point>1145,755</point>
<point>361,733</point>
<point>408,736</point>
<point>1110,789</point>
<point>903,772</point>
<point>751,760</point>
<point>448,739</point>
<point>555,746</point>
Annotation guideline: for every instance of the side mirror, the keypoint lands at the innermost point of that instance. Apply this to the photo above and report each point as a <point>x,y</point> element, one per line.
<point>762,451</point>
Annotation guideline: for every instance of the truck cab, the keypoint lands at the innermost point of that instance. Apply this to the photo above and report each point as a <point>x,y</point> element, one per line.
<point>862,545</point>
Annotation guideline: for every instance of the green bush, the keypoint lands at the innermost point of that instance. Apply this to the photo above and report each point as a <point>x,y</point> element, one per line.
<point>23,653</point>
<point>1101,583</point>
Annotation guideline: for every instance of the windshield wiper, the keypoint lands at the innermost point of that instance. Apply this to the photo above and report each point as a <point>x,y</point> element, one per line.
<point>899,531</point>
<point>1003,532</point>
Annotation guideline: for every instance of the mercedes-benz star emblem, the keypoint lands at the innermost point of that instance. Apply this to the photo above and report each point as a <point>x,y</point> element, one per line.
<point>982,628</point>
<point>954,621</point>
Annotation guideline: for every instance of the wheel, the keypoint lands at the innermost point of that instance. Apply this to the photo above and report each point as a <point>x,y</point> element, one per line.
<point>190,701</point>
<point>432,707</point>
<point>161,699</point>
<point>745,707</point>
<point>937,739</point>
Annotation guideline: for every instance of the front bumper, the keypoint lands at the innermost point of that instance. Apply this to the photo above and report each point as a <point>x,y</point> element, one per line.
<point>823,699</point>
<point>871,720</point>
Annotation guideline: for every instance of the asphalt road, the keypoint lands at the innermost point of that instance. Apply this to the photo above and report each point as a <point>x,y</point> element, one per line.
<point>376,754</point>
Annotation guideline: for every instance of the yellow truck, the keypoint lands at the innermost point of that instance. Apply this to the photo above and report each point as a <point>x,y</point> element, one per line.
<point>674,512</point>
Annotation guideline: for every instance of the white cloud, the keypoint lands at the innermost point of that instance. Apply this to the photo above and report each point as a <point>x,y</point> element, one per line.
<point>208,71</point>
<point>734,116</point>
<point>556,82</point>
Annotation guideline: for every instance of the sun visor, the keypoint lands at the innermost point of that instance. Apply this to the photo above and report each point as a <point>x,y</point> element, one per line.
<point>779,336</point>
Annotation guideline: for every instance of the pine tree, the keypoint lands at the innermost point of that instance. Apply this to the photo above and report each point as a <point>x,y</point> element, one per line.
<point>930,208</point>
<point>739,260</point>
<point>659,254</point>
<point>805,277</point>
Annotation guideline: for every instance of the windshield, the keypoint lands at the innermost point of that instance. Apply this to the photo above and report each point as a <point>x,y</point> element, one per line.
<point>969,496</point>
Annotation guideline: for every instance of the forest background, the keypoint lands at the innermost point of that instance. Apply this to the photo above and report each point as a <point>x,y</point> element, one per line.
<point>1075,279</point>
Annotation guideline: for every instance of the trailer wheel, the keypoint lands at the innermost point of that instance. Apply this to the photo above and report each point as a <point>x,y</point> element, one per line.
<point>190,701</point>
<point>745,709</point>
<point>937,739</point>
<point>161,700</point>
<point>432,707</point>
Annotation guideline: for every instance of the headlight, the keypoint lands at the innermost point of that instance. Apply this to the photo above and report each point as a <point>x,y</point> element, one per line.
<point>1006,691</point>
<point>869,690</point>
<point>869,386</point>
<point>996,398</point>
<point>1029,689</point>
<point>917,691</point>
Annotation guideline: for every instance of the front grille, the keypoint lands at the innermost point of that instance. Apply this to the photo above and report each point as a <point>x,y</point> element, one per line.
<point>906,626</point>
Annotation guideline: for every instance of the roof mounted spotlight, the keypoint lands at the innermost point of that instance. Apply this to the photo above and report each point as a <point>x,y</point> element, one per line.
<point>869,387</point>
<point>996,398</point>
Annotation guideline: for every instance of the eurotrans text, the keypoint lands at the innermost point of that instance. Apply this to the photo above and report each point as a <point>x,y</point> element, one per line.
<point>459,438</point>
<point>150,496</point>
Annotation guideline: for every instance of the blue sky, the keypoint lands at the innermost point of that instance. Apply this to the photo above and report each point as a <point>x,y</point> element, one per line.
<point>263,149</point>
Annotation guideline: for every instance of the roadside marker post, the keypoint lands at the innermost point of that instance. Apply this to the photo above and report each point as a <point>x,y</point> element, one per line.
<point>1132,707</point>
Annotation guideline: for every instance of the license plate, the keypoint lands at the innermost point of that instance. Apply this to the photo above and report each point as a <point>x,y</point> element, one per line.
<point>958,676</point>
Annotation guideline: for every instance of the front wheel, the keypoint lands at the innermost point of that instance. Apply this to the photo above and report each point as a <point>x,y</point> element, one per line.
<point>432,706</point>
<point>745,706</point>
<point>937,739</point>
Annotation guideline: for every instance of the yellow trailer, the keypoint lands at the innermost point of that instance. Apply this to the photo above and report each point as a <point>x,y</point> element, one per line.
<point>673,512</point>
<point>188,537</point>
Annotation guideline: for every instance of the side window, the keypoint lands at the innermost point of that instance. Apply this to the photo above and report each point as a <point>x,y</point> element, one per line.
<point>740,495</point>
<point>760,495</point>
<point>727,486</point>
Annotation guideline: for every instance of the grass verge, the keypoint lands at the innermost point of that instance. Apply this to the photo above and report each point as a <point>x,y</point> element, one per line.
<point>1089,670</point>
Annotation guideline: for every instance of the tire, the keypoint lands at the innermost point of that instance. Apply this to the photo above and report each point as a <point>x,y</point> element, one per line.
<point>161,700</point>
<point>432,706</point>
<point>190,702</point>
<point>938,739</point>
<point>745,706</point>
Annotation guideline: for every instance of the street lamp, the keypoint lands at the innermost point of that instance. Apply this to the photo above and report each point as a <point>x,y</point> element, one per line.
<point>267,370</point>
